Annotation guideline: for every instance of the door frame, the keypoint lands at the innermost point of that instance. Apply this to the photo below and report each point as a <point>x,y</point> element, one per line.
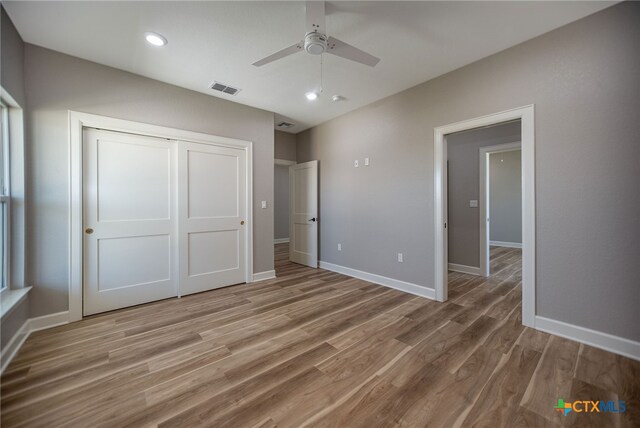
<point>78,121</point>
<point>526,116</point>
<point>484,204</point>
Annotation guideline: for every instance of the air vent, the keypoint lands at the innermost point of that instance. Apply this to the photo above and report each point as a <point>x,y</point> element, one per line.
<point>284,125</point>
<point>221,87</point>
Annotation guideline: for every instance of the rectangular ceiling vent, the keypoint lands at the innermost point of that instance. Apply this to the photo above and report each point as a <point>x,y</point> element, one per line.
<point>284,125</point>
<point>221,87</point>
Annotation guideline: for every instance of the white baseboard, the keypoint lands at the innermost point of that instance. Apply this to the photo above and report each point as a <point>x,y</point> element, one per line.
<point>29,326</point>
<point>506,244</point>
<point>48,321</point>
<point>407,287</point>
<point>262,276</point>
<point>597,339</point>
<point>281,240</point>
<point>14,345</point>
<point>465,269</point>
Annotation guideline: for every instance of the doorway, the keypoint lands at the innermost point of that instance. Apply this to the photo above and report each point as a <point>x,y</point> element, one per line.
<point>441,190</point>
<point>281,208</point>
<point>500,205</point>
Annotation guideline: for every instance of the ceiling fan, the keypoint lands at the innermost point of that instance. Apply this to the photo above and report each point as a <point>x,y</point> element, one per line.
<point>316,41</point>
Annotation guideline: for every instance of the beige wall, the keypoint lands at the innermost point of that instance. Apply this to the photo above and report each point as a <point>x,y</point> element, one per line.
<point>463,155</point>
<point>285,146</point>
<point>583,81</point>
<point>56,83</point>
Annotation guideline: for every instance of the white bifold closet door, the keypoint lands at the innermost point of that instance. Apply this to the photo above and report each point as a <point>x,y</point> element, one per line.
<point>130,245</point>
<point>161,218</point>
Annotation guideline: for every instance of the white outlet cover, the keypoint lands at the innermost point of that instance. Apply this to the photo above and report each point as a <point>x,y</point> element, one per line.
<point>339,247</point>
<point>366,161</point>
<point>473,203</point>
<point>264,204</point>
<point>400,258</point>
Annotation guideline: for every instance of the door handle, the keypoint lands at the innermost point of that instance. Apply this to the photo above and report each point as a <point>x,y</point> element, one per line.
<point>88,231</point>
<point>313,219</point>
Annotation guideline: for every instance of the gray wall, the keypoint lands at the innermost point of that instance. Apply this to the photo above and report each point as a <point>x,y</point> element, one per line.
<point>583,80</point>
<point>11,77</point>
<point>281,201</point>
<point>505,197</point>
<point>463,154</point>
<point>56,83</point>
<point>285,146</point>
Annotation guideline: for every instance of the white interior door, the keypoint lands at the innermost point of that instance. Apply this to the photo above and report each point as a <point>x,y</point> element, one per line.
<point>130,242</point>
<point>303,218</point>
<point>212,216</point>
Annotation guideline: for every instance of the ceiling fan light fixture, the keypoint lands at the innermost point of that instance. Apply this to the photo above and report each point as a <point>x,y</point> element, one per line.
<point>315,43</point>
<point>155,39</point>
<point>311,96</point>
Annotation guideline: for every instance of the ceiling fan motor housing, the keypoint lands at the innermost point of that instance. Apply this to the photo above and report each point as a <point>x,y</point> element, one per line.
<point>315,43</point>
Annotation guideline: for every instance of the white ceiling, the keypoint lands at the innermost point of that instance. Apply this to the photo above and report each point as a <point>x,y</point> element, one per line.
<point>209,41</point>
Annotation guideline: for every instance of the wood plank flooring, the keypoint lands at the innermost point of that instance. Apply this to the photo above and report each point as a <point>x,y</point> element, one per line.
<point>316,348</point>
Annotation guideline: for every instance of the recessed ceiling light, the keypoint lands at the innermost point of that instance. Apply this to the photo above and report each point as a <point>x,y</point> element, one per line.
<point>155,39</point>
<point>311,96</point>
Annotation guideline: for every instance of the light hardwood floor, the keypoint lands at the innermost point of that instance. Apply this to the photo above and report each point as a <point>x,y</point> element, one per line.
<point>315,348</point>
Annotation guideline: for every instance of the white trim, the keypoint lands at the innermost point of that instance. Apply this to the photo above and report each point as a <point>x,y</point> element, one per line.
<point>484,205</point>
<point>471,270</point>
<point>77,121</point>
<point>15,178</point>
<point>526,115</point>
<point>263,276</point>
<point>407,287</point>
<point>9,299</point>
<point>29,326</point>
<point>48,321</point>
<point>10,350</point>
<point>608,342</point>
<point>281,240</point>
<point>284,162</point>
<point>505,244</point>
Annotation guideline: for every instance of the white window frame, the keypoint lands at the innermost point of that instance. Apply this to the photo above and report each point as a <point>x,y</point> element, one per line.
<point>16,289</point>
<point>5,198</point>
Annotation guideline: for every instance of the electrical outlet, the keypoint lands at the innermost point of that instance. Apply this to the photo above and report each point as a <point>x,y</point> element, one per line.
<point>355,163</point>
<point>366,161</point>
<point>473,203</point>
<point>400,258</point>
<point>339,247</point>
<point>264,204</point>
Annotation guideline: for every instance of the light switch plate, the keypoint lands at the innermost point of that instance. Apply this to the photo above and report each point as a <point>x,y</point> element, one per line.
<point>400,258</point>
<point>355,163</point>
<point>339,247</point>
<point>264,204</point>
<point>366,161</point>
<point>473,203</point>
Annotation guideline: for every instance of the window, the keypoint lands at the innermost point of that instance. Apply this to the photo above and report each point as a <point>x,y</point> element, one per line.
<point>4,196</point>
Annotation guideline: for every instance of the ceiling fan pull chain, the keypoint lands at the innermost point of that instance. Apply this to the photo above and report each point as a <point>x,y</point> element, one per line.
<point>321,84</point>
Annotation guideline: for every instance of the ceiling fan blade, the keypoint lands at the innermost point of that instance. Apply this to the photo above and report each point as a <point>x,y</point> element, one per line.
<point>280,54</point>
<point>315,16</point>
<point>346,51</point>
